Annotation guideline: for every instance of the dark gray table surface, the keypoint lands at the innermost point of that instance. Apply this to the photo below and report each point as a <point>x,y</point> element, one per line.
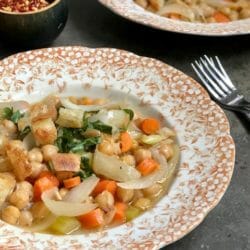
<point>227,227</point>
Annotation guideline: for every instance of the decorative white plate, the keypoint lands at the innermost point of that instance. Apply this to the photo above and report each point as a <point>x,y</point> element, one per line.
<point>207,149</point>
<point>129,10</point>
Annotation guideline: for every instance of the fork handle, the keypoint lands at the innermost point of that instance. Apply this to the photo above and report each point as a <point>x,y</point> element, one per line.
<point>246,115</point>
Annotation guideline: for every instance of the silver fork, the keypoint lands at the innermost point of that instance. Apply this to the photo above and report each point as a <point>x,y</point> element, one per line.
<point>219,85</point>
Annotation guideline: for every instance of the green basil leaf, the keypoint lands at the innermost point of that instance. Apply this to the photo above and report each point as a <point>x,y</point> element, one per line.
<point>130,112</point>
<point>24,132</point>
<point>102,127</point>
<point>16,116</point>
<point>86,169</point>
<point>7,113</point>
<point>85,145</point>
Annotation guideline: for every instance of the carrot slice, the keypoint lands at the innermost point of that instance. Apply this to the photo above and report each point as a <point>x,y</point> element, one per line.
<point>45,174</point>
<point>126,142</point>
<point>103,185</point>
<point>85,101</point>
<point>174,16</point>
<point>92,219</point>
<point>150,125</point>
<point>147,166</point>
<point>44,183</point>
<point>120,215</point>
<point>72,182</point>
<point>220,17</point>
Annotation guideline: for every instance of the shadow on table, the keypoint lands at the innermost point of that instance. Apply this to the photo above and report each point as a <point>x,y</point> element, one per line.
<point>104,28</point>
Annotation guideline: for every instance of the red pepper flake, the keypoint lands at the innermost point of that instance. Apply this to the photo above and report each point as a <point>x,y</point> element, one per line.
<point>22,5</point>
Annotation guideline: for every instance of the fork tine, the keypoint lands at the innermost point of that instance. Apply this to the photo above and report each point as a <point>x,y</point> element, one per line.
<point>212,70</point>
<point>228,82</point>
<point>204,81</point>
<point>222,74</point>
<point>210,80</point>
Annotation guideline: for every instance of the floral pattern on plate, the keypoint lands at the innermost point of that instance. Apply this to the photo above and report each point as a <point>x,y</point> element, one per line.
<point>207,149</point>
<point>130,10</point>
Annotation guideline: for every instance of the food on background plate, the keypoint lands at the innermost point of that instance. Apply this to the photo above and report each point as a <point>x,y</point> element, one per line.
<point>205,11</point>
<point>23,5</point>
<point>72,164</point>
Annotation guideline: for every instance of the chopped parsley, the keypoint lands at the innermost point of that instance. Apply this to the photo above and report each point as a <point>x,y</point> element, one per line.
<point>10,114</point>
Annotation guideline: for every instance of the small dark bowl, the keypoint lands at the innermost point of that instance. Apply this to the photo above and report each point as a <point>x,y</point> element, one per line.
<point>36,28</point>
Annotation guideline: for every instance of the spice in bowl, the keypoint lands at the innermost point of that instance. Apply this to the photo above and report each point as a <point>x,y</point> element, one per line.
<point>23,5</point>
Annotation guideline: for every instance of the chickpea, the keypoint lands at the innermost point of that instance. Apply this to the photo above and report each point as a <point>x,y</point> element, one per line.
<point>141,154</point>
<point>48,151</point>
<point>3,141</point>
<point>16,144</point>
<point>167,150</point>
<point>37,168</point>
<point>156,4</point>
<point>36,155</point>
<point>135,144</point>
<point>25,218</point>
<point>90,132</point>
<point>106,147</point>
<point>117,148</point>
<point>63,192</point>
<point>22,195</point>
<point>142,3</point>
<point>234,15</point>
<point>11,214</point>
<point>105,201</point>
<point>5,165</point>
<point>9,126</point>
<point>125,195</point>
<point>128,159</point>
<point>99,101</point>
<point>39,210</point>
<point>153,190</point>
<point>245,13</point>
<point>142,203</point>
<point>137,194</point>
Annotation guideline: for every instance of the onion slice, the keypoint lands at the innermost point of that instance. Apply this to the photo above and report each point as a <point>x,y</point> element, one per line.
<point>165,171</point>
<point>16,105</point>
<point>81,192</point>
<point>113,168</point>
<point>87,108</point>
<point>64,208</point>
<point>179,9</point>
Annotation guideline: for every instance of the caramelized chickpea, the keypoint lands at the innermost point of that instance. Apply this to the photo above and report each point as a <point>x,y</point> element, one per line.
<point>125,195</point>
<point>11,215</point>
<point>48,151</point>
